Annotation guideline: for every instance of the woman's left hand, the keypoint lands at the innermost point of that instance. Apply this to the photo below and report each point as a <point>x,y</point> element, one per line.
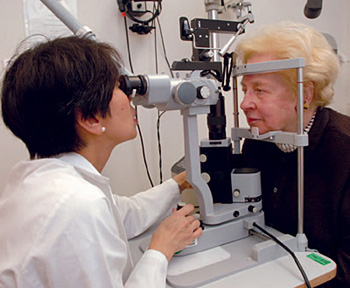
<point>181,181</point>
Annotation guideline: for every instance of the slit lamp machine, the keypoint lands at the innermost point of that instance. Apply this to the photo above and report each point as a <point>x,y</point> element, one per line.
<point>229,196</point>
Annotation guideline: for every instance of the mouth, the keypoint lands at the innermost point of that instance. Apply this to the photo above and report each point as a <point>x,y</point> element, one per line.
<point>252,121</point>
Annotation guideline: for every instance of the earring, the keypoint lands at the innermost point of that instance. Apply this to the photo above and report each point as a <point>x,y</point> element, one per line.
<point>103,129</point>
<point>306,106</point>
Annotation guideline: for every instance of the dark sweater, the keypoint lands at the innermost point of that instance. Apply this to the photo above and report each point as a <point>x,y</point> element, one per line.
<point>327,188</point>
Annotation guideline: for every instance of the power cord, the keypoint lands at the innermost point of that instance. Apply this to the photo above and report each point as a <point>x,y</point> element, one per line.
<point>288,250</point>
<point>128,44</point>
<point>144,156</point>
<point>164,49</point>
<point>138,126</point>
<point>160,114</point>
<point>160,148</point>
<point>155,13</point>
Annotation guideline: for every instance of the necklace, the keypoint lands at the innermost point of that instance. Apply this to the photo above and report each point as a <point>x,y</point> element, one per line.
<point>288,148</point>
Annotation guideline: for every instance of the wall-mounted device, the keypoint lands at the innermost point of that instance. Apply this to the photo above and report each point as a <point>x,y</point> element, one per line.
<point>313,8</point>
<point>139,12</point>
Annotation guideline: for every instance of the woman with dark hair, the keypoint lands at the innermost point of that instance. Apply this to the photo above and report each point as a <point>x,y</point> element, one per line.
<point>60,224</point>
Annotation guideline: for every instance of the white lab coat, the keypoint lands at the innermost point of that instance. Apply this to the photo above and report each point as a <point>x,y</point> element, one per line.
<point>60,226</point>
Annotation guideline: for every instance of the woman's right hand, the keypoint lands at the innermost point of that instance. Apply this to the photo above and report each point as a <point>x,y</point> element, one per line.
<point>176,232</point>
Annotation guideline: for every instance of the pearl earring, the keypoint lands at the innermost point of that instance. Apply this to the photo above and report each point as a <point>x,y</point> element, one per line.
<point>103,129</point>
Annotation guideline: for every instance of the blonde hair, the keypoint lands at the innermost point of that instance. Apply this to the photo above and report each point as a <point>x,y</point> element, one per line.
<point>286,40</point>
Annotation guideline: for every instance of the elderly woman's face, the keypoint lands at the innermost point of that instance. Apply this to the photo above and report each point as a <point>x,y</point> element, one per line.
<point>268,103</point>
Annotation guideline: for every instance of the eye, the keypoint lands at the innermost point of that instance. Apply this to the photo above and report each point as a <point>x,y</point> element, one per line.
<point>259,91</point>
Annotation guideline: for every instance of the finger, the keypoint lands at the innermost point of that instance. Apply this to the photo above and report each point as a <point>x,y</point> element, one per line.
<point>195,224</point>
<point>197,233</point>
<point>189,219</point>
<point>187,209</point>
<point>188,185</point>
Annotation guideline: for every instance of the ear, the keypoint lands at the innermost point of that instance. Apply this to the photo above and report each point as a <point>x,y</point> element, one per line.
<point>91,124</point>
<point>309,93</point>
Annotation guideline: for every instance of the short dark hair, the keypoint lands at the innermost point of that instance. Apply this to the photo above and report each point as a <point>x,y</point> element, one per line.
<point>47,84</point>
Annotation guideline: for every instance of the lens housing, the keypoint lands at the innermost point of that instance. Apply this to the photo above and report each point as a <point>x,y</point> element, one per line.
<point>129,83</point>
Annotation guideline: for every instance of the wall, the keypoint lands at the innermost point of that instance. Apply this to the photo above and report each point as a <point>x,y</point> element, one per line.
<point>125,167</point>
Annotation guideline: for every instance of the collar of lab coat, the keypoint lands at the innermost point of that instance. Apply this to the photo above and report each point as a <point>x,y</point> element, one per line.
<point>82,165</point>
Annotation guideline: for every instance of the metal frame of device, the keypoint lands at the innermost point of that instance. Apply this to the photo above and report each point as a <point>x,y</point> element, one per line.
<point>221,217</point>
<point>298,139</point>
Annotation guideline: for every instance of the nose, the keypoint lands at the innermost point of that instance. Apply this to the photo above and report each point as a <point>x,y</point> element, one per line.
<point>248,101</point>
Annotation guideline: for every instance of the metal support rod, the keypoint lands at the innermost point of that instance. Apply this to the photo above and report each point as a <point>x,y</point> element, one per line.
<point>214,37</point>
<point>300,153</point>
<point>236,143</point>
<point>68,19</point>
<point>73,24</point>
<point>213,7</point>
<point>227,46</point>
<point>235,103</point>
<point>235,94</point>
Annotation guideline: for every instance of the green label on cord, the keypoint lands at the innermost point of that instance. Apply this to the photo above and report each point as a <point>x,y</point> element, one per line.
<point>318,259</point>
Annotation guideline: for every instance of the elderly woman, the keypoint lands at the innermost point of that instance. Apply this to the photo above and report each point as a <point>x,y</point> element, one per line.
<point>60,224</point>
<point>269,104</point>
